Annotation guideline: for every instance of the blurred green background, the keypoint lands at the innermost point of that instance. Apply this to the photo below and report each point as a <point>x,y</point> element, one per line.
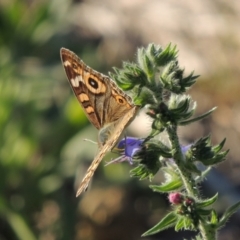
<point>42,153</point>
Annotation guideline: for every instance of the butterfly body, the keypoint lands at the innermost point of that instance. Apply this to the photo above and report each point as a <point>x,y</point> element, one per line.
<point>107,107</point>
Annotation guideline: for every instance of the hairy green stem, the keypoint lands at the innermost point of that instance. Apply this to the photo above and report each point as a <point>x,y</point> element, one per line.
<point>179,158</point>
<point>188,181</point>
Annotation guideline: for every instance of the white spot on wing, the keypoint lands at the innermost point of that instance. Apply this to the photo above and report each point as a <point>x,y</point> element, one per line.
<point>75,81</point>
<point>67,63</point>
<point>80,78</point>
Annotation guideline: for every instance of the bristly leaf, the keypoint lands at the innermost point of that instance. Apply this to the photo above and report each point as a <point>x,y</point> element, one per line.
<point>145,96</point>
<point>202,151</point>
<point>167,187</point>
<point>180,224</point>
<point>173,181</point>
<point>203,175</point>
<point>207,202</point>
<point>167,55</point>
<point>168,221</point>
<point>142,172</point>
<point>228,213</point>
<point>186,122</point>
<point>219,147</point>
<point>218,158</point>
<point>145,63</point>
<point>153,50</point>
<point>214,218</point>
<point>129,77</point>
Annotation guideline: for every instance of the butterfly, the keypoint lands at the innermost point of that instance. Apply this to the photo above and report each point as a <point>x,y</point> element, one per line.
<point>107,107</point>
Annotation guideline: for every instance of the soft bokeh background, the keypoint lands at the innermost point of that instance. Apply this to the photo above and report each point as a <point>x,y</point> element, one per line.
<point>42,127</point>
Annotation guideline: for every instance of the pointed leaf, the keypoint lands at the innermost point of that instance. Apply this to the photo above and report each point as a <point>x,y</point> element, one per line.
<point>207,202</point>
<point>219,146</point>
<point>203,175</point>
<point>168,187</point>
<point>216,159</point>
<point>186,122</point>
<point>179,225</point>
<point>168,221</point>
<point>228,213</point>
<point>204,212</point>
<point>214,218</point>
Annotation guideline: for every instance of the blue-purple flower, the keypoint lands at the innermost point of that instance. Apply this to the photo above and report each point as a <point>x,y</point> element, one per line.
<point>185,148</point>
<point>128,146</point>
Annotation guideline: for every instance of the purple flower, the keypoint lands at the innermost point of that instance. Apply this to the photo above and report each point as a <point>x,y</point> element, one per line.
<point>175,198</point>
<point>128,146</point>
<point>185,148</point>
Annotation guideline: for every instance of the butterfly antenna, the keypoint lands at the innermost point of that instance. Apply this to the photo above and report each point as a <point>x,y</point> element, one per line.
<point>89,140</point>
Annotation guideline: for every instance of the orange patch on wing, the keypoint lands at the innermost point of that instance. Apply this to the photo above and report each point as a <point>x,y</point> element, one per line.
<point>83,97</point>
<point>89,109</point>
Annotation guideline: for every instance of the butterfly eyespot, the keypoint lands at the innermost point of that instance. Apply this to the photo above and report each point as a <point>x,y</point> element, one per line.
<point>93,83</point>
<point>120,100</point>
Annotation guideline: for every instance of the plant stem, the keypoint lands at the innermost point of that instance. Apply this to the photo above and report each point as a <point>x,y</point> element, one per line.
<point>179,158</point>
<point>188,181</point>
<point>206,233</point>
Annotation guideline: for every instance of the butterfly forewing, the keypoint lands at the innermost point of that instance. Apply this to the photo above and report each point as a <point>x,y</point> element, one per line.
<point>76,72</point>
<point>101,99</point>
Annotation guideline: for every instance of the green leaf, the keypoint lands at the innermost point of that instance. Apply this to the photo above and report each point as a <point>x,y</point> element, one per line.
<point>207,202</point>
<point>124,85</point>
<point>219,147</point>
<point>167,55</point>
<point>180,105</point>
<point>198,237</point>
<point>179,225</point>
<point>203,175</point>
<point>189,80</point>
<point>186,122</point>
<point>228,213</point>
<point>216,159</point>
<point>204,212</point>
<point>141,172</point>
<point>144,62</point>
<point>157,124</point>
<point>168,221</point>
<point>168,187</point>
<point>214,218</point>
<point>192,168</point>
<point>152,50</point>
<point>188,224</point>
<point>20,226</point>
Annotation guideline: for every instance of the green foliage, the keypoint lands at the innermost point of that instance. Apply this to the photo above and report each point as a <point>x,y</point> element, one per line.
<point>33,130</point>
<point>168,221</point>
<point>227,214</point>
<point>161,88</point>
<point>173,181</point>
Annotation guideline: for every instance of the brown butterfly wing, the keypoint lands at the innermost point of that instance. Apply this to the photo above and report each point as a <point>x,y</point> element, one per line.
<point>101,99</point>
